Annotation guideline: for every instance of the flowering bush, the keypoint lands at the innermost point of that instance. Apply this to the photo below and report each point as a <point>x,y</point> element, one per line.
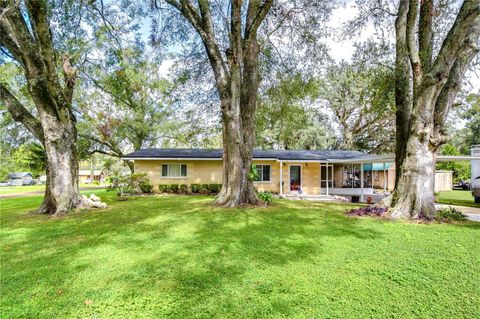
<point>368,211</point>
<point>130,184</point>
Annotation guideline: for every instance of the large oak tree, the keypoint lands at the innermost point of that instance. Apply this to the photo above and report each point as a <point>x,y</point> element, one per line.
<point>237,80</point>
<point>426,85</point>
<point>26,35</point>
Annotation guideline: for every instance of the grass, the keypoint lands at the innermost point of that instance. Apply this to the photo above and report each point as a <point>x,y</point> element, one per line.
<point>456,197</point>
<point>179,257</point>
<point>7,190</point>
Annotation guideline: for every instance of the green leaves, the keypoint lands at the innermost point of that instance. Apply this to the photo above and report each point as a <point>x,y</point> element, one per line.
<point>285,118</point>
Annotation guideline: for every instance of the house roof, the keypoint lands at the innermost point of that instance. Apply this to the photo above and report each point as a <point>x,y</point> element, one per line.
<point>292,155</point>
<point>18,174</point>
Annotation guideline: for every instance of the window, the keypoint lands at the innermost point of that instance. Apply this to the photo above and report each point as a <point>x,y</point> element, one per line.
<point>323,175</point>
<point>352,176</point>
<point>263,172</point>
<point>174,170</point>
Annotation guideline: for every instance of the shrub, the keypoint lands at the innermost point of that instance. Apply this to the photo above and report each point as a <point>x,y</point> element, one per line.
<point>146,188</point>
<point>121,184</point>
<point>130,184</point>
<point>204,189</point>
<point>449,214</point>
<point>174,188</point>
<point>195,188</point>
<point>368,211</point>
<point>183,189</point>
<point>164,188</point>
<point>266,197</point>
<point>213,188</point>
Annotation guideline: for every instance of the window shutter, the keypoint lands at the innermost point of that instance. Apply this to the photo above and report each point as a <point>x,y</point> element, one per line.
<point>184,170</point>
<point>266,173</point>
<point>164,170</point>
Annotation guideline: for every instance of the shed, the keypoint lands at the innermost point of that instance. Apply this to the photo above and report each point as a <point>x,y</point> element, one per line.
<point>443,180</point>
<point>20,178</point>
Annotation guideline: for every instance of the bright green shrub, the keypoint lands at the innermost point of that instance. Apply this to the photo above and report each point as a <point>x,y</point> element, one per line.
<point>266,197</point>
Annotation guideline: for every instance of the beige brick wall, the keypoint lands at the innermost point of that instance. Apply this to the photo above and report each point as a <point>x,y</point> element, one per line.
<point>210,171</point>
<point>202,172</point>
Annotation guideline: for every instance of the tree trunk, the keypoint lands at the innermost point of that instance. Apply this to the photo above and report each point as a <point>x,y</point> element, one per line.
<point>31,45</point>
<point>238,114</point>
<point>237,188</point>
<point>238,140</point>
<point>62,191</point>
<point>424,91</point>
<point>130,165</point>
<point>414,186</point>
<point>237,81</point>
<point>48,204</point>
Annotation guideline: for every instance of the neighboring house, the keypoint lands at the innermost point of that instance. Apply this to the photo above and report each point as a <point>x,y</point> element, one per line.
<point>85,175</point>
<point>20,178</point>
<point>333,172</point>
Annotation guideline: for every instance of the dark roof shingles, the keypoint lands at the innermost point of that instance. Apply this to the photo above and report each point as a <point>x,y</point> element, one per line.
<point>257,154</point>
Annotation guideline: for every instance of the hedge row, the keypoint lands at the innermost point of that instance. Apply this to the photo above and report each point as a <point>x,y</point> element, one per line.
<point>187,189</point>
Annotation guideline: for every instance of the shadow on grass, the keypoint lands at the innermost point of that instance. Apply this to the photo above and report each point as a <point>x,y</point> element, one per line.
<point>179,245</point>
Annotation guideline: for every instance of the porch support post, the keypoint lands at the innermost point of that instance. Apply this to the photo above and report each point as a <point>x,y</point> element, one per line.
<point>361,182</point>
<point>327,179</point>
<point>384,180</point>
<point>281,178</point>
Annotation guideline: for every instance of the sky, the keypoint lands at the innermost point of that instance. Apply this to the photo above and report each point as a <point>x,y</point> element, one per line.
<point>339,49</point>
<point>344,50</point>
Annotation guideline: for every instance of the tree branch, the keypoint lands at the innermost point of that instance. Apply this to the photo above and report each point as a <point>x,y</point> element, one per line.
<point>203,24</point>
<point>465,20</point>
<point>425,42</point>
<point>255,17</point>
<point>37,13</point>
<point>70,76</point>
<point>450,90</point>
<point>20,113</point>
<point>411,41</point>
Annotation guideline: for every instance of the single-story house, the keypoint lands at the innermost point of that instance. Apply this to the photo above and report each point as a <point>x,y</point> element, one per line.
<point>327,172</point>
<point>20,178</point>
<point>85,175</point>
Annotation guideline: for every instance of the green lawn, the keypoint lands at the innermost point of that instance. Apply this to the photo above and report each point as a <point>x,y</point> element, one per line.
<point>4,190</point>
<point>178,257</point>
<point>456,197</point>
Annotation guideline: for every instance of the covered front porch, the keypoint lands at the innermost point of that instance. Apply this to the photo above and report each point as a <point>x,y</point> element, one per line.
<point>366,180</point>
